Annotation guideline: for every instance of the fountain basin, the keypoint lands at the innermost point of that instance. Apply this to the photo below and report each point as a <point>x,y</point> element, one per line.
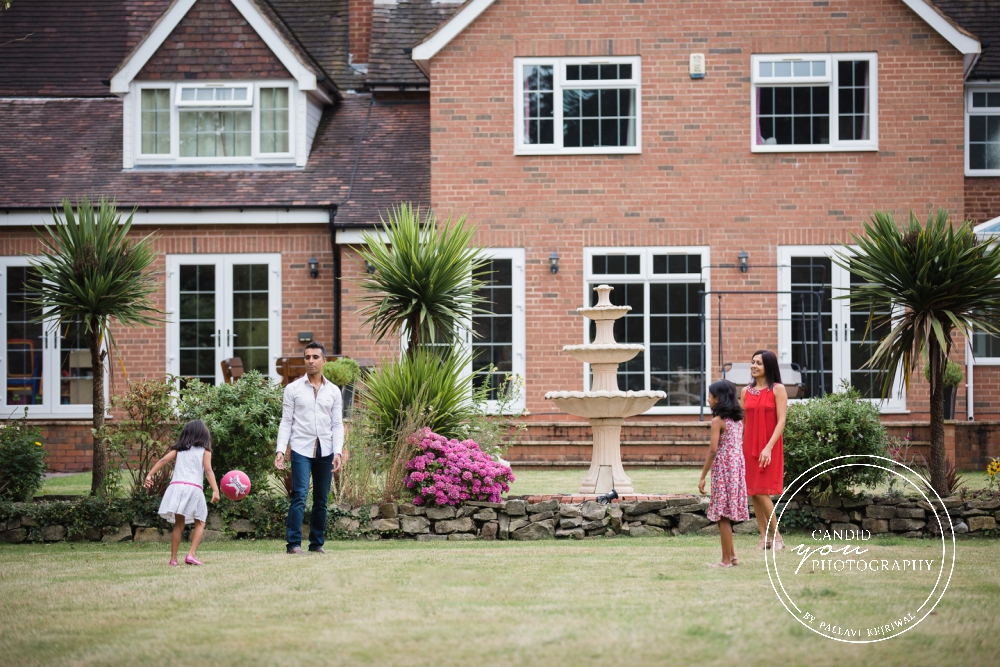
<point>603,312</point>
<point>605,404</point>
<point>603,353</point>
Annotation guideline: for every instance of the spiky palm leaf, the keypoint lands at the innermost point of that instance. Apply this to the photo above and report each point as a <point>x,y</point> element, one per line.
<point>935,280</point>
<point>426,278</point>
<point>91,272</point>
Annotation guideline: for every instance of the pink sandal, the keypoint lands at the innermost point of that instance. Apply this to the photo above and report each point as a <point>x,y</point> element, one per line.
<point>191,560</point>
<point>172,563</point>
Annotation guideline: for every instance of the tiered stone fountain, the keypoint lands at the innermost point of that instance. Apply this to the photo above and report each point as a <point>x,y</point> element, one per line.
<point>605,405</point>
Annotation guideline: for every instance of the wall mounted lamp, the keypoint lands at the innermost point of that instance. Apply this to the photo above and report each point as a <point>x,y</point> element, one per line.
<point>554,262</point>
<point>369,267</point>
<point>313,267</point>
<point>744,258</point>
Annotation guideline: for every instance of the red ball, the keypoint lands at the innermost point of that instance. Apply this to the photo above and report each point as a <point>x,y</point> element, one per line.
<point>235,485</point>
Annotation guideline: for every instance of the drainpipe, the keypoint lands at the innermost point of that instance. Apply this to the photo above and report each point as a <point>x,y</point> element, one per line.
<point>970,363</point>
<point>336,282</point>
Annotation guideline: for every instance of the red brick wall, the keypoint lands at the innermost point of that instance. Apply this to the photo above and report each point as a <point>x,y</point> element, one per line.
<point>356,340</point>
<point>696,181</point>
<point>359,14</point>
<point>982,199</point>
<point>213,41</point>
<point>307,303</point>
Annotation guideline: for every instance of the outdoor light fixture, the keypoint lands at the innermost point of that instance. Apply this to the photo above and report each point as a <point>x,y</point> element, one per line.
<point>554,262</point>
<point>607,497</point>
<point>369,267</point>
<point>313,267</point>
<point>744,267</point>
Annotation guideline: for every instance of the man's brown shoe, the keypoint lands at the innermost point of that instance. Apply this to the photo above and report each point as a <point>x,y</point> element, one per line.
<point>317,550</point>
<point>296,550</point>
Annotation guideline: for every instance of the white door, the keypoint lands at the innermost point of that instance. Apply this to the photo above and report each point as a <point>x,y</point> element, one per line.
<point>46,366</point>
<point>822,334</point>
<point>219,307</point>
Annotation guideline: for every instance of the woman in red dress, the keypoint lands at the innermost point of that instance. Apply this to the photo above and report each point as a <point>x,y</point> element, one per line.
<point>765,402</point>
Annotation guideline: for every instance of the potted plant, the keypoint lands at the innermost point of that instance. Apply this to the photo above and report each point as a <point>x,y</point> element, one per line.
<point>343,372</point>
<point>952,378</point>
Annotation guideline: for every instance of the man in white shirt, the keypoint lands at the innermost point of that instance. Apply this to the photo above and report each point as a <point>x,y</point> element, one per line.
<point>312,423</point>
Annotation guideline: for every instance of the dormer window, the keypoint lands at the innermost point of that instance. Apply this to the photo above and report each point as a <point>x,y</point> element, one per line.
<point>198,123</point>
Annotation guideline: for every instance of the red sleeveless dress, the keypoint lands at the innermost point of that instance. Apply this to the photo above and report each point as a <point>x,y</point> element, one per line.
<point>758,427</point>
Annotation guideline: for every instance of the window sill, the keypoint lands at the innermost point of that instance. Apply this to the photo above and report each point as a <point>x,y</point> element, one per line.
<point>981,173</point>
<point>986,361</point>
<point>629,150</point>
<point>812,148</point>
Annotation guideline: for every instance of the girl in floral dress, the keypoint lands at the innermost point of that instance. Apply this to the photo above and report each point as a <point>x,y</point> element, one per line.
<point>725,459</point>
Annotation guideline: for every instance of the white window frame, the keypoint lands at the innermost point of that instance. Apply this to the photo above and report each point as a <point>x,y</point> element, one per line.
<point>980,361</point>
<point>647,276</point>
<point>255,157</point>
<point>840,284</point>
<point>970,88</point>
<point>224,306</point>
<point>248,102</point>
<point>51,374</point>
<point>835,145</point>
<point>560,83</point>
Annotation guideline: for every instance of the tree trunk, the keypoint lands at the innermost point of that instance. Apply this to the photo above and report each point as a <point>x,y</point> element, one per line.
<point>97,361</point>
<point>939,476</point>
<point>414,341</point>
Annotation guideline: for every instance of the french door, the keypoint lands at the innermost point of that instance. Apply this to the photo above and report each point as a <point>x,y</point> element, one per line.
<point>824,335</point>
<point>45,364</point>
<point>219,307</point>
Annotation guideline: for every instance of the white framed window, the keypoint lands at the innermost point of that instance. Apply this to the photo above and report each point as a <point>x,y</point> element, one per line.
<point>223,306</point>
<point>215,123</point>
<point>814,102</point>
<point>664,286</point>
<point>46,365</point>
<point>985,349</point>
<point>982,130</point>
<point>824,336</point>
<point>499,338</point>
<point>577,105</point>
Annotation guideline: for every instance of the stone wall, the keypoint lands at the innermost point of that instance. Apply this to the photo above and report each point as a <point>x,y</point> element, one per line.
<point>523,520</point>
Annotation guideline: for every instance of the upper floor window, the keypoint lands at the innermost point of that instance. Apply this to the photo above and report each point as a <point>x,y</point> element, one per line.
<point>577,105</point>
<point>811,102</point>
<point>982,110</point>
<point>225,122</point>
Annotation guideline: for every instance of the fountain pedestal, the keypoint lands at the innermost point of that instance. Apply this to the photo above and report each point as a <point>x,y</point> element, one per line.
<point>605,405</point>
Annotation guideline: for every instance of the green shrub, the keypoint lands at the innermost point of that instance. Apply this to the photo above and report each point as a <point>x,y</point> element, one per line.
<point>834,425</point>
<point>440,384</point>
<point>143,435</point>
<point>243,419</point>
<point>22,459</point>
<point>342,371</point>
<point>952,373</point>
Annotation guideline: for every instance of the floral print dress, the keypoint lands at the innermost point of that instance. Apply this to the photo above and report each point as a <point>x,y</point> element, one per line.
<point>729,486</point>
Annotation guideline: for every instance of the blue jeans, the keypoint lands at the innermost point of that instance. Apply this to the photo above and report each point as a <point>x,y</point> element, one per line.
<point>321,469</point>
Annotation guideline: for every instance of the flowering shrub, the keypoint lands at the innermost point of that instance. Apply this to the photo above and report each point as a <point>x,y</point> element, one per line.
<point>446,472</point>
<point>22,460</point>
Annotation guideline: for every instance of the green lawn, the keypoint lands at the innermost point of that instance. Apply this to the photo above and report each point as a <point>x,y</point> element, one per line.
<point>647,601</point>
<point>552,480</point>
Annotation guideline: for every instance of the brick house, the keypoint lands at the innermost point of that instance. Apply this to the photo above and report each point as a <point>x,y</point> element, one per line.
<point>248,138</point>
<point>672,149</point>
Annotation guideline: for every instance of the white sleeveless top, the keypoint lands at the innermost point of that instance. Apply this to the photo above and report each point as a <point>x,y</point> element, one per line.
<point>189,468</point>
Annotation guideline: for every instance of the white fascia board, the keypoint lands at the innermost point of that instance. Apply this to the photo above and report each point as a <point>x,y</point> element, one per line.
<point>356,236</point>
<point>450,30</point>
<point>128,70</point>
<point>964,43</point>
<point>181,216</point>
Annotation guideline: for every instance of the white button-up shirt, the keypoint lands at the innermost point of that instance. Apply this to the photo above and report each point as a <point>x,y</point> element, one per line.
<point>307,414</point>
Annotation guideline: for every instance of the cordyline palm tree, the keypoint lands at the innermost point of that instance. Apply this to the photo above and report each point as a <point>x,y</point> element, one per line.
<point>426,279</point>
<point>92,273</point>
<point>937,280</point>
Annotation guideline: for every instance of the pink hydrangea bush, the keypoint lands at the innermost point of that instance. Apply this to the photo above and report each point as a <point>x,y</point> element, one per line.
<point>446,472</point>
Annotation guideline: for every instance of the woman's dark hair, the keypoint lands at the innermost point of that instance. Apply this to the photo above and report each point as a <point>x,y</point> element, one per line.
<point>195,434</point>
<point>771,371</point>
<point>727,403</point>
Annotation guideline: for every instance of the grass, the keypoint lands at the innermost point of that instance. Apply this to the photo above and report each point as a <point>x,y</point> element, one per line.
<point>647,601</point>
<point>552,480</point>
